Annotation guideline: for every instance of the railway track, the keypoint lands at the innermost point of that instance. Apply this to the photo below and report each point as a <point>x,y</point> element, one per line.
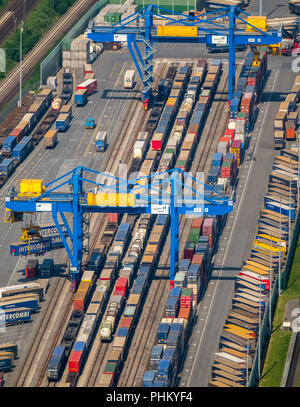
<point>144,338</point>
<point>99,351</point>
<point>10,83</point>
<point>13,14</point>
<point>33,372</point>
<point>39,378</point>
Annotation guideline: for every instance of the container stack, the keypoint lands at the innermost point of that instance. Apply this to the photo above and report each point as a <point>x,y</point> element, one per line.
<point>113,13</point>
<point>167,355</point>
<point>77,53</point>
<point>286,120</point>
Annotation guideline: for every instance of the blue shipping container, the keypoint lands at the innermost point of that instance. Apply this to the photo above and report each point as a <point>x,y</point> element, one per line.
<point>31,303</point>
<point>9,143</point>
<point>184,264</point>
<point>15,316</point>
<point>148,378</point>
<point>175,292</point>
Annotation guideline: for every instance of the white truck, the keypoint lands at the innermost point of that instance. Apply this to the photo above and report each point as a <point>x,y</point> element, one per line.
<point>129,79</point>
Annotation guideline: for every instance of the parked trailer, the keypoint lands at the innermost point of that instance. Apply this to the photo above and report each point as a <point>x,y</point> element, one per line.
<point>29,302</point>
<point>15,316</point>
<point>90,85</point>
<point>50,138</point>
<point>9,347</point>
<point>37,246</point>
<point>81,97</point>
<point>129,79</point>
<point>62,122</point>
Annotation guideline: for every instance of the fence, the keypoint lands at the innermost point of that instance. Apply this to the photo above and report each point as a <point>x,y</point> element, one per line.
<point>53,62</point>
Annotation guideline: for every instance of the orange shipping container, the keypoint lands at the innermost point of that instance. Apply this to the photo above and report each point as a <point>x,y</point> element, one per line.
<point>126,322</point>
<point>80,300</point>
<point>197,223</point>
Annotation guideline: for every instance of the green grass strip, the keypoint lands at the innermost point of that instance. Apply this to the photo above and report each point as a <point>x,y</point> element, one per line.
<point>279,342</point>
<point>38,22</point>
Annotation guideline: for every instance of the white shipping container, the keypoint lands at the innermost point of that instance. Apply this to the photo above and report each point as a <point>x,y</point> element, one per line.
<point>139,149</point>
<point>232,124</point>
<point>88,275</point>
<point>66,64</point>
<point>240,136</point>
<point>240,126</point>
<point>143,136</point>
<point>87,329</point>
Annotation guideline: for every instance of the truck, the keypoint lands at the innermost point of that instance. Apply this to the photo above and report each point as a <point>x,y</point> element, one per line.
<point>50,138</point>
<point>62,122</point>
<point>80,97</point>
<point>90,123</point>
<point>90,85</point>
<point>101,141</point>
<point>46,269</point>
<point>129,78</point>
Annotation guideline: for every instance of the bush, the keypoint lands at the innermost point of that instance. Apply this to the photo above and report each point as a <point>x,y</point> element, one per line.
<point>38,22</point>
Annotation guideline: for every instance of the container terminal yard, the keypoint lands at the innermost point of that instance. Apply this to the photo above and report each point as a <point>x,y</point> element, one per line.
<point>108,281</point>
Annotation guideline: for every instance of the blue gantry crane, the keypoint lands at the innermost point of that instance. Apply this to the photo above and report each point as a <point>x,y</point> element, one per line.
<point>173,192</point>
<point>180,28</point>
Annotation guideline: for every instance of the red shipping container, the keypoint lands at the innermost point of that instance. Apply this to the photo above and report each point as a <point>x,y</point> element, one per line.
<point>119,292</point>
<point>185,302</point>
<point>236,144</point>
<point>18,133</point>
<point>226,139</point>
<point>156,144</point>
<point>90,85</point>
<point>122,285</point>
<point>230,133</point>
<point>29,273</point>
<point>75,361</point>
<point>113,217</point>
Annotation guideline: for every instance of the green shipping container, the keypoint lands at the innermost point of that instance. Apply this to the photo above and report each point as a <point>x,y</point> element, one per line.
<point>226,164</point>
<point>170,150</point>
<point>241,115</point>
<point>180,164</point>
<point>186,292</point>
<point>110,368</point>
<point>194,235</point>
<point>189,245</point>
